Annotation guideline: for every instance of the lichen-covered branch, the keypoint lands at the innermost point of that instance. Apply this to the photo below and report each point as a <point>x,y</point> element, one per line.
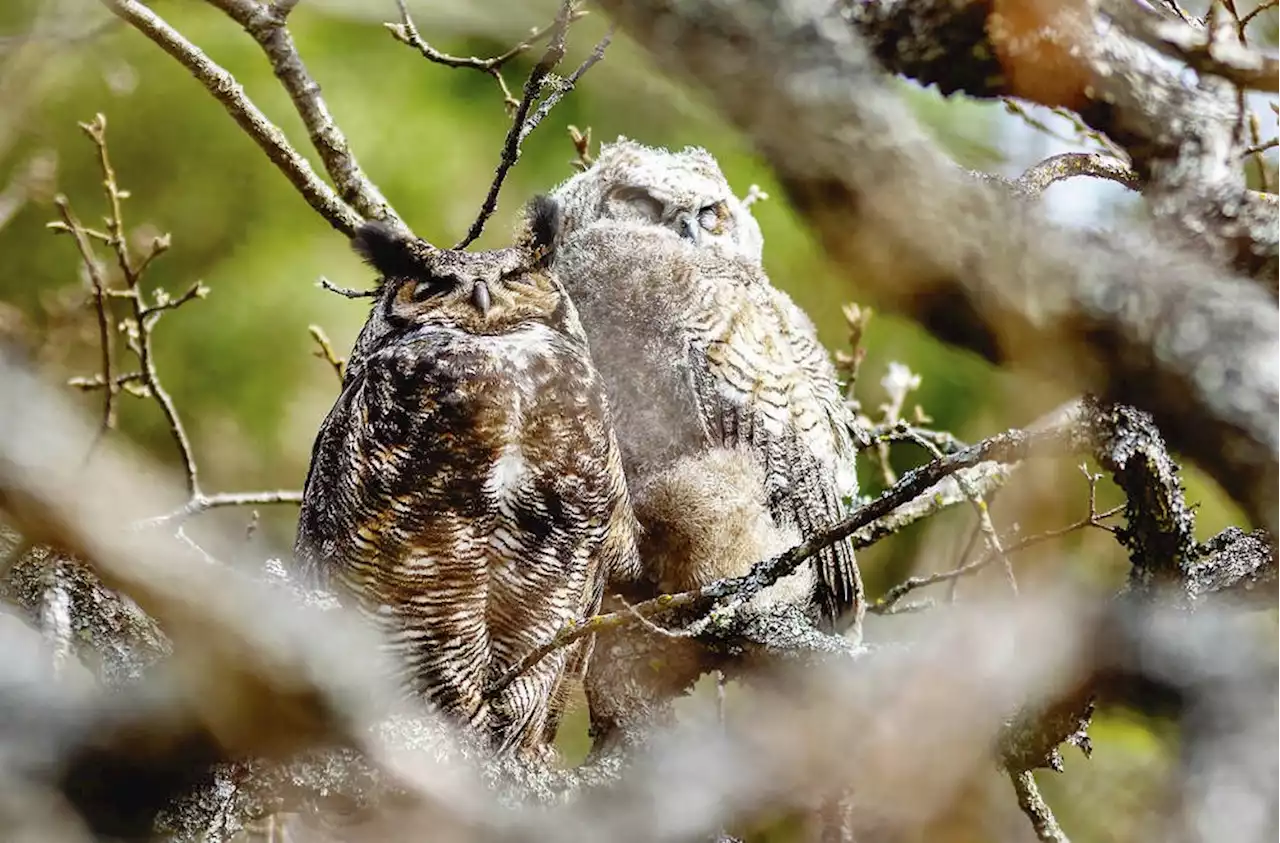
<point>1034,806</point>
<point>1068,165</point>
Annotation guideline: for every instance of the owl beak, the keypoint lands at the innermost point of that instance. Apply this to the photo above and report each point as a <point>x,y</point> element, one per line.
<point>480,297</point>
<point>687,227</point>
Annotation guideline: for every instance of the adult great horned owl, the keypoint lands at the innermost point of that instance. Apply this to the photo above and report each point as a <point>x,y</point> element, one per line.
<point>715,377</point>
<point>466,490</point>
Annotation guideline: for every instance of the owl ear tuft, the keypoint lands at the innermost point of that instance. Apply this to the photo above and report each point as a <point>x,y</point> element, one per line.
<point>543,217</point>
<point>387,249</point>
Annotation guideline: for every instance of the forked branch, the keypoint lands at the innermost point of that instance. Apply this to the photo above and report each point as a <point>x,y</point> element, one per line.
<point>266,23</point>
<point>224,87</point>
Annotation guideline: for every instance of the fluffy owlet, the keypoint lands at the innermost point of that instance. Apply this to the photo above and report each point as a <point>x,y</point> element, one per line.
<point>466,490</point>
<point>683,191</point>
<point>733,427</point>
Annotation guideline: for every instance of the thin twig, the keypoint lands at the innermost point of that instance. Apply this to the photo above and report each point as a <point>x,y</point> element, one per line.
<point>1036,809</point>
<point>204,503</point>
<point>644,622</point>
<point>888,603</point>
<point>856,319</point>
<point>326,352</point>
<point>1082,131</point>
<point>1261,7</point>
<point>582,147</point>
<point>227,91</point>
<point>566,85</point>
<point>138,331</point>
<point>511,146</point>
<point>97,382</point>
<point>345,292</point>
<point>970,545</point>
<point>196,291</point>
<point>110,384</point>
<point>266,24</point>
<point>1262,147</point>
<point>904,431</point>
<point>406,32</point>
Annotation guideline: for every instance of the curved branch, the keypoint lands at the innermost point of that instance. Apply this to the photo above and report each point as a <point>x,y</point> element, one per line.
<point>1068,165</point>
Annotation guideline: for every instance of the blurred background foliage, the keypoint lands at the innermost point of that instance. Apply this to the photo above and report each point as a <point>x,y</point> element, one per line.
<point>240,365</point>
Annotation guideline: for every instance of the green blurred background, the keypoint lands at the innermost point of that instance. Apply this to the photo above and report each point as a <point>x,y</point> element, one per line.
<point>240,364</point>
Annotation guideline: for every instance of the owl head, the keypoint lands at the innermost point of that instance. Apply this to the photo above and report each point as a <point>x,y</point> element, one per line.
<point>683,191</point>
<point>489,292</point>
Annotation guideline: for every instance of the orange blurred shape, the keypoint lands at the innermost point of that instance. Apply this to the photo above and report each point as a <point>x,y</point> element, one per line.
<point>1039,44</point>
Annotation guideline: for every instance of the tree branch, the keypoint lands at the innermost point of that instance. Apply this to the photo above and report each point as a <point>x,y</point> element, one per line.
<point>1068,165</point>
<point>1036,809</point>
<point>224,87</point>
<point>516,134</point>
<point>1119,85</point>
<point>106,330</point>
<point>203,503</point>
<point>1198,47</point>
<point>266,24</point>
